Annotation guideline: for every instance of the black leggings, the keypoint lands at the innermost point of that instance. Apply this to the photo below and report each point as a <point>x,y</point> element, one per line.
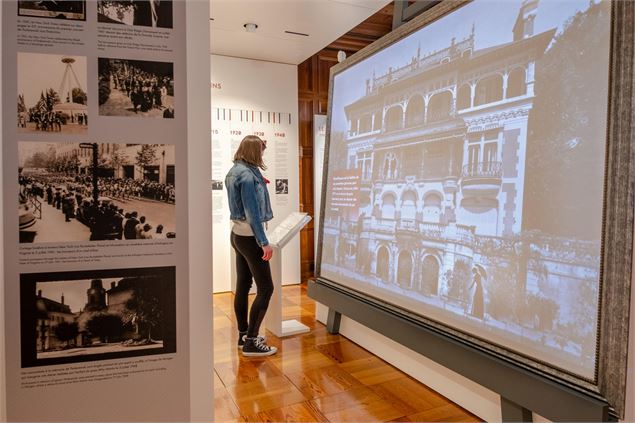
<point>249,267</point>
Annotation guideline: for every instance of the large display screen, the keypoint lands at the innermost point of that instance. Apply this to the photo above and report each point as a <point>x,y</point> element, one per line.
<point>466,172</point>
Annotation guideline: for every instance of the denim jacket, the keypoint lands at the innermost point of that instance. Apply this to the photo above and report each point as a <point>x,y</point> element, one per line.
<point>249,198</point>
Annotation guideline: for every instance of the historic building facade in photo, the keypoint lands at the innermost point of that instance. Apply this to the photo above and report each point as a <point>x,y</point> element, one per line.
<point>439,144</point>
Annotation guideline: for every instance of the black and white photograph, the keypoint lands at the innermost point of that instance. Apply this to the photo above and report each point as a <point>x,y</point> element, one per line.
<point>136,88</point>
<point>152,13</point>
<point>217,185</point>
<point>52,94</point>
<point>70,317</point>
<point>282,186</point>
<point>478,146</point>
<point>60,9</point>
<point>70,192</point>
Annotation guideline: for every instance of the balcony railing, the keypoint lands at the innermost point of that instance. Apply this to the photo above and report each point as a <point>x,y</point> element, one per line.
<point>483,170</point>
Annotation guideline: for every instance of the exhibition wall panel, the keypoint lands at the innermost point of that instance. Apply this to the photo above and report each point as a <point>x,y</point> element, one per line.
<point>98,163</point>
<point>260,98</point>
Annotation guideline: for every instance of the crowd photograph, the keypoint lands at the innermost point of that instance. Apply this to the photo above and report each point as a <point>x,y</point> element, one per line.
<point>136,88</point>
<point>153,13</point>
<point>129,195</point>
<point>54,101</point>
<point>71,10</point>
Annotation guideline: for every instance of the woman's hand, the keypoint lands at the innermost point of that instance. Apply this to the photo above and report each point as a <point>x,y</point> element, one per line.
<point>267,252</point>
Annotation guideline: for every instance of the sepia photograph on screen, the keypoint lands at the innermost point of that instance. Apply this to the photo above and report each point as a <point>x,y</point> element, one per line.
<point>466,173</point>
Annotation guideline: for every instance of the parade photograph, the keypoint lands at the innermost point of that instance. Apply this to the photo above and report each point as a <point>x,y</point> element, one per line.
<point>54,101</point>
<point>136,88</point>
<point>153,13</point>
<point>96,315</point>
<point>64,9</point>
<point>71,192</point>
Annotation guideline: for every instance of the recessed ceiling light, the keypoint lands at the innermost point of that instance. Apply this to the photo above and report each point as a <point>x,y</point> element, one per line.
<point>250,27</point>
<point>297,33</point>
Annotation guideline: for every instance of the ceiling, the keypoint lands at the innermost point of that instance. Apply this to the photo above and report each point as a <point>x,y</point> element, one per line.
<point>323,20</point>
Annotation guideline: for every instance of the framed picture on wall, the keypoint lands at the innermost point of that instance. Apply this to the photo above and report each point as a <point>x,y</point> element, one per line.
<point>478,175</point>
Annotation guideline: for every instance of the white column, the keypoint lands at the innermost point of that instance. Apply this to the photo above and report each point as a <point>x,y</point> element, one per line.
<point>505,79</point>
<point>201,359</point>
<point>403,115</point>
<point>529,78</point>
<point>426,100</point>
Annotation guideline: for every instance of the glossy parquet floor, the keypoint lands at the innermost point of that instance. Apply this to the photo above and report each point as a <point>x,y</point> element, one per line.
<point>314,377</point>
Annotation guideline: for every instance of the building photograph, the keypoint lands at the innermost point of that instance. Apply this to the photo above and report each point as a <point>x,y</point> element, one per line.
<point>447,153</point>
<point>92,319</point>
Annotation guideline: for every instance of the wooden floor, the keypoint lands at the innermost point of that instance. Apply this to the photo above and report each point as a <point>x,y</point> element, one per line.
<point>314,377</point>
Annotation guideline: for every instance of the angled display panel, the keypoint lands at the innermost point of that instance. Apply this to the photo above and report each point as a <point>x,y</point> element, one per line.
<point>465,177</point>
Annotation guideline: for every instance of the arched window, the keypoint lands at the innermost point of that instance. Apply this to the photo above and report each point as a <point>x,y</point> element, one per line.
<point>414,111</point>
<point>489,90</point>
<point>383,264</point>
<point>394,118</point>
<point>388,206</point>
<point>463,100</point>
<point>430,276</point>
<point>404,270</point>
<point>440,106</point>
<point>432,208</point>
<point>516,85</point>
<point>408,205</point>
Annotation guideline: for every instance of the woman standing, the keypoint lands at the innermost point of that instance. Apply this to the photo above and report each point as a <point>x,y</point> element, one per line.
<point>250,209</point>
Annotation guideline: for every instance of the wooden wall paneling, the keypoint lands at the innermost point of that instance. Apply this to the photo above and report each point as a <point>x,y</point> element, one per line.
<point>313,88</point>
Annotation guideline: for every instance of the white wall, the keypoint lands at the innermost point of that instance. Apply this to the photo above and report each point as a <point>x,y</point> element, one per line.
<point>242,84</point>
<point>319,145</point>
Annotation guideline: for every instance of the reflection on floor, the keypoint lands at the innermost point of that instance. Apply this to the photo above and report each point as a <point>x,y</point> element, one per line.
<point>314,377</point>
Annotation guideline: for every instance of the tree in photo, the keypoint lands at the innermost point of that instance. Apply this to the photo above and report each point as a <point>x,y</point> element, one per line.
<point>38,160</point>
<point>146,307</point>
<point>66,332</point>
<point>119,8</point>
<point>146,156</point>
<point>107,327</point>
<point>118,159</point>
<point>21,105</point>
<point>79,96</point>
<point>567,130</point>
<point>52,98</point>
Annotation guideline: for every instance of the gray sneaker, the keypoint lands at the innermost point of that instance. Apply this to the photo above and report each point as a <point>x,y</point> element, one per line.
<point>256,347</point>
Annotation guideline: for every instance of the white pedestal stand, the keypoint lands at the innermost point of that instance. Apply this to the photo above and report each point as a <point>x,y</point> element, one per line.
<point>278,238</point>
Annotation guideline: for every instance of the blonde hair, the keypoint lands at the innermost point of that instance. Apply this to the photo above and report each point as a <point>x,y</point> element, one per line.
<point>250,151</point>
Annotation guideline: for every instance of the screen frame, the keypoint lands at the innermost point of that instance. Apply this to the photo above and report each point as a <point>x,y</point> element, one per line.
<point>617,224</point>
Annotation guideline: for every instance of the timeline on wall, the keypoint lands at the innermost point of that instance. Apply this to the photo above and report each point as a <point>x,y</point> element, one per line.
<point>231,126</point>
<point>94,151</point>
